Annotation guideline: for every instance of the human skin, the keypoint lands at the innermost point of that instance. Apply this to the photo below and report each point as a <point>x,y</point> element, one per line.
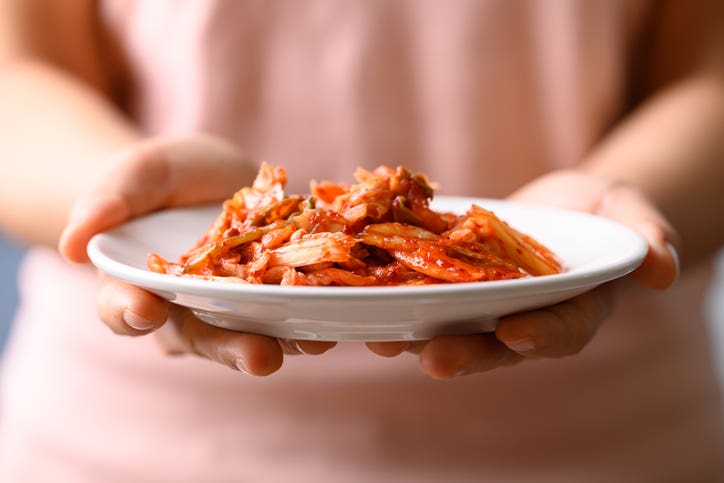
<point>663,161</point>
<point>95,170</point>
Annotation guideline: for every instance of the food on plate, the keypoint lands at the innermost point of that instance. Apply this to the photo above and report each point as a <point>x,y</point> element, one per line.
<point>379,231</point>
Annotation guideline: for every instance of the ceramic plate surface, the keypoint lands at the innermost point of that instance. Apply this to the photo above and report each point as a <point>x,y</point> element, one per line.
<point>594,250</point>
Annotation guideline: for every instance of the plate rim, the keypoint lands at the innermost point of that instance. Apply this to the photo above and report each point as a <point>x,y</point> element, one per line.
<point>525,286</point>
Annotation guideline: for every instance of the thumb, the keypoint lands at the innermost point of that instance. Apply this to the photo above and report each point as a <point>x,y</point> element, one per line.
<point>660,269</point>
<point>152,175</point>
<point>90,215</point>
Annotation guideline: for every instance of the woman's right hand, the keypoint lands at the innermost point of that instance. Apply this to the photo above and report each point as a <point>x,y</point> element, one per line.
<point>153,175</point>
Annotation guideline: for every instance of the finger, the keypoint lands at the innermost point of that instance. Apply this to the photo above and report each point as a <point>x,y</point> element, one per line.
<point>252,354</point>
<point>416,346</point>
<point>153,175</point>
<point>169,340</point>
<point>560,330</point>
<point>445,357</point>
<point>660,268</point>
<point>90,215</point>
<point>129,310</point>
<point>289,347</point>
<point>388,349</point>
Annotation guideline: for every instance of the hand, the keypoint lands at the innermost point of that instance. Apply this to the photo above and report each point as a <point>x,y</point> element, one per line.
<point>158,174</point>
<point>566,328</point>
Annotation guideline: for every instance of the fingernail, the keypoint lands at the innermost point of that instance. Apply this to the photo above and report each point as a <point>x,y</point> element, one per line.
<point>239,363</point>
<point>521,345</point>
<point>136,321</point>
<point>300,348</point>
<point>675,256</point>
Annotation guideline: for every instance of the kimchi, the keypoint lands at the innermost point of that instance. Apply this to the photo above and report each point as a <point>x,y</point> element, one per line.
<point>379,231</point>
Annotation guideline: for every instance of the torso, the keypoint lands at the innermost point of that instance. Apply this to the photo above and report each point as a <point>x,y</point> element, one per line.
<point>322,87</point>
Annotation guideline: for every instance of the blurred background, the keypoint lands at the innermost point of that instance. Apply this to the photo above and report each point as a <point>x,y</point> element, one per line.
<point>11,252</point>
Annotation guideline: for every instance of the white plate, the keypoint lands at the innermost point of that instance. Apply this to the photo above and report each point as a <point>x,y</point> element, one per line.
<point>593,249</point>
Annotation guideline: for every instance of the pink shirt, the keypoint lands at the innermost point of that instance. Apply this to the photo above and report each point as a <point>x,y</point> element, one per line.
<point>480,95</point>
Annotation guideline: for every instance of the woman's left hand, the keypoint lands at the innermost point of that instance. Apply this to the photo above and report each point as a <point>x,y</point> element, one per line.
<point>566,328</point>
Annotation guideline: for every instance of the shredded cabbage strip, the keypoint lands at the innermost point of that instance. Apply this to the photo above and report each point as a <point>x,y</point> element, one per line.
<point>379,231</point>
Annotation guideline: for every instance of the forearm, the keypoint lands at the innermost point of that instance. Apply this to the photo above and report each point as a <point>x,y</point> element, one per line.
<point>55,132</point>
<point>672,147</point>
